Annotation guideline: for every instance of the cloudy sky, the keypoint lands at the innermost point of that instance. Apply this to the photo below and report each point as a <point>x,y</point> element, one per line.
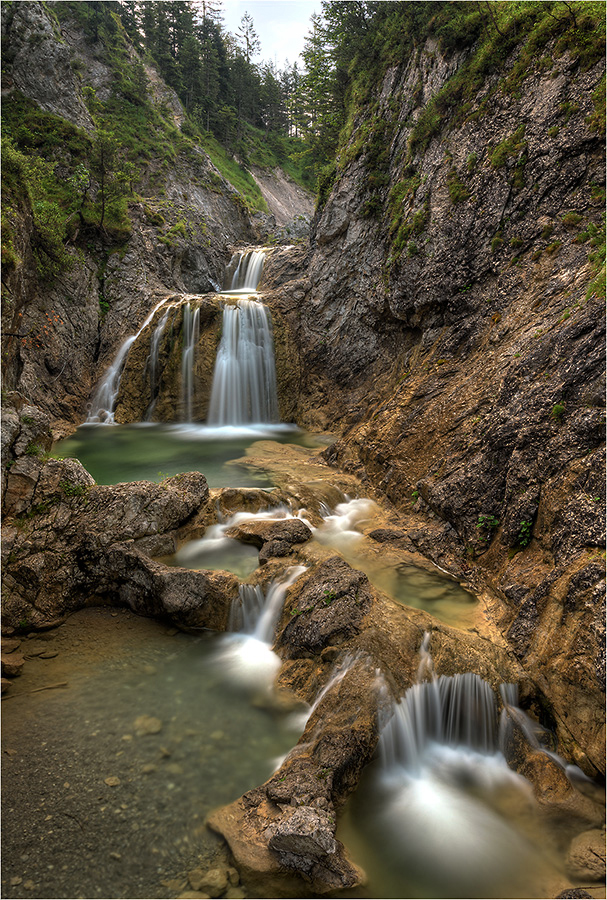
<point>281,25</point>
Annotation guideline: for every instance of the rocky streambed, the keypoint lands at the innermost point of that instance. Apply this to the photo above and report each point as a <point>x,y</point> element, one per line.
<point>344,650</point>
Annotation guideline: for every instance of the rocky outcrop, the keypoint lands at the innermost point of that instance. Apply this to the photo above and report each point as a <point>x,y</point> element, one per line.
<point>68,543</point>
<point>350,675</point>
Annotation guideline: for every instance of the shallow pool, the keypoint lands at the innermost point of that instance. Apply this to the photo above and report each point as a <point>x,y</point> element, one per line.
<point>148,451</point>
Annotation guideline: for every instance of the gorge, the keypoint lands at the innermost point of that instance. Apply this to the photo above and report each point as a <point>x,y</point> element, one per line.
<point>356,468</point>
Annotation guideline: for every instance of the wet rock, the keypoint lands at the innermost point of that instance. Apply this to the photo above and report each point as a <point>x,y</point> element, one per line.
<point>212,881</point>
<point>574,894</point>
<point>12,664</point>
<point>326,607</point>
<point>88,540</point>
<point>147,725</point>
<point>586,859</point>
<point>9,645</point>
<point>306,833</point>
<point>258,533</point>
<point>235,893</point>
<point>274,549</point>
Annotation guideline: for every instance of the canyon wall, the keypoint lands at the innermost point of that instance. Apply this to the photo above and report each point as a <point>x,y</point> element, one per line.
<point>450,326</point>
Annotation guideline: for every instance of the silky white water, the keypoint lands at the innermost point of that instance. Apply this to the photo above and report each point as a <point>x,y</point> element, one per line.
<point>104,398</point>
<point>244,380</point>
<point>244,271</point>
<point>191,335</point>
<point>247,658</point>
<point>152,363</point>
<point>440,814</point>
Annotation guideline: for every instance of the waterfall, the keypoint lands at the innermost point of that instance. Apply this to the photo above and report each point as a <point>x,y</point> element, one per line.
<point>454,711</point>
<point>244,380</point>
<point>248,658</point>
<point>244,271</point>
<point>191,334</point>
<point>104,398</point>
<point>539,738</point>
<point>444,804</point>
<point>152,363</point>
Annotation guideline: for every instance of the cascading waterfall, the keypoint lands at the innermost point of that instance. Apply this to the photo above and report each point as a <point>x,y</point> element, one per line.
<point>191,334</point>
<point>104,398</point>
<point>152,363</point>
<point>244,381</point>
<point>247,657</point>
<point>244,271</point>
<point>442,793</point>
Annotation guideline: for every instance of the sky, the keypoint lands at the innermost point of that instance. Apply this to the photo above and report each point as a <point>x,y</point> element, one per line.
<point>281,25</point>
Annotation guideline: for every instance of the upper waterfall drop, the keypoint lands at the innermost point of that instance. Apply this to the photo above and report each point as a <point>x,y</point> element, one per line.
<point>244,381</point>
<point>244,271</point>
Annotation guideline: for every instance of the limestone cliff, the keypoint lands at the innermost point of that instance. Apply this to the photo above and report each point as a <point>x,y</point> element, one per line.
<point>450,327</point>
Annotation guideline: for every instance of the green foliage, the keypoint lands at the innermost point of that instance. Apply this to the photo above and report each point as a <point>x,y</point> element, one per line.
<point>458,191</point>
<point>329,597</point>
<point>486,526</point>
<point>571,219</point>
<point>524,535</point>
<point>511,146</point>
<point>34,449</point>
<point>557,412</point>
<point>73,490</point>
<point>596,257</point>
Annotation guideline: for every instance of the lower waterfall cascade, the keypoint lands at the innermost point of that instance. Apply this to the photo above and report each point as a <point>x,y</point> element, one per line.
<point>244,381</point>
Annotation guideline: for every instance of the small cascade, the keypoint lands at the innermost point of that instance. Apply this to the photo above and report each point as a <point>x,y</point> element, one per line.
<point>247,657</point>
<point>152,363</point>
<point>244,271</point>
<point>244,381</point>
<point>442,807</point>
<point>540,739</point>
<point>191,335</point>
<point>218,551</point>
<point>104,399</point>
<point>340,529</point>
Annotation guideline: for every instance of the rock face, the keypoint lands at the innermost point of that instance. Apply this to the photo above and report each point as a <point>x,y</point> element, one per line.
<point>59,340</point>
<point>456,341</point>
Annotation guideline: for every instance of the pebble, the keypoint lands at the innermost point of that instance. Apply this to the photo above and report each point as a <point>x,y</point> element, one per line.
<point>172,631</point>
<point>112,781</point>
<point>235,893</point>
<point>147,725</point>
<point>15,880</point>
<point>214,881</point>
<point>148,768</point>
<point>48,654</point>
<point>29,885</point>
